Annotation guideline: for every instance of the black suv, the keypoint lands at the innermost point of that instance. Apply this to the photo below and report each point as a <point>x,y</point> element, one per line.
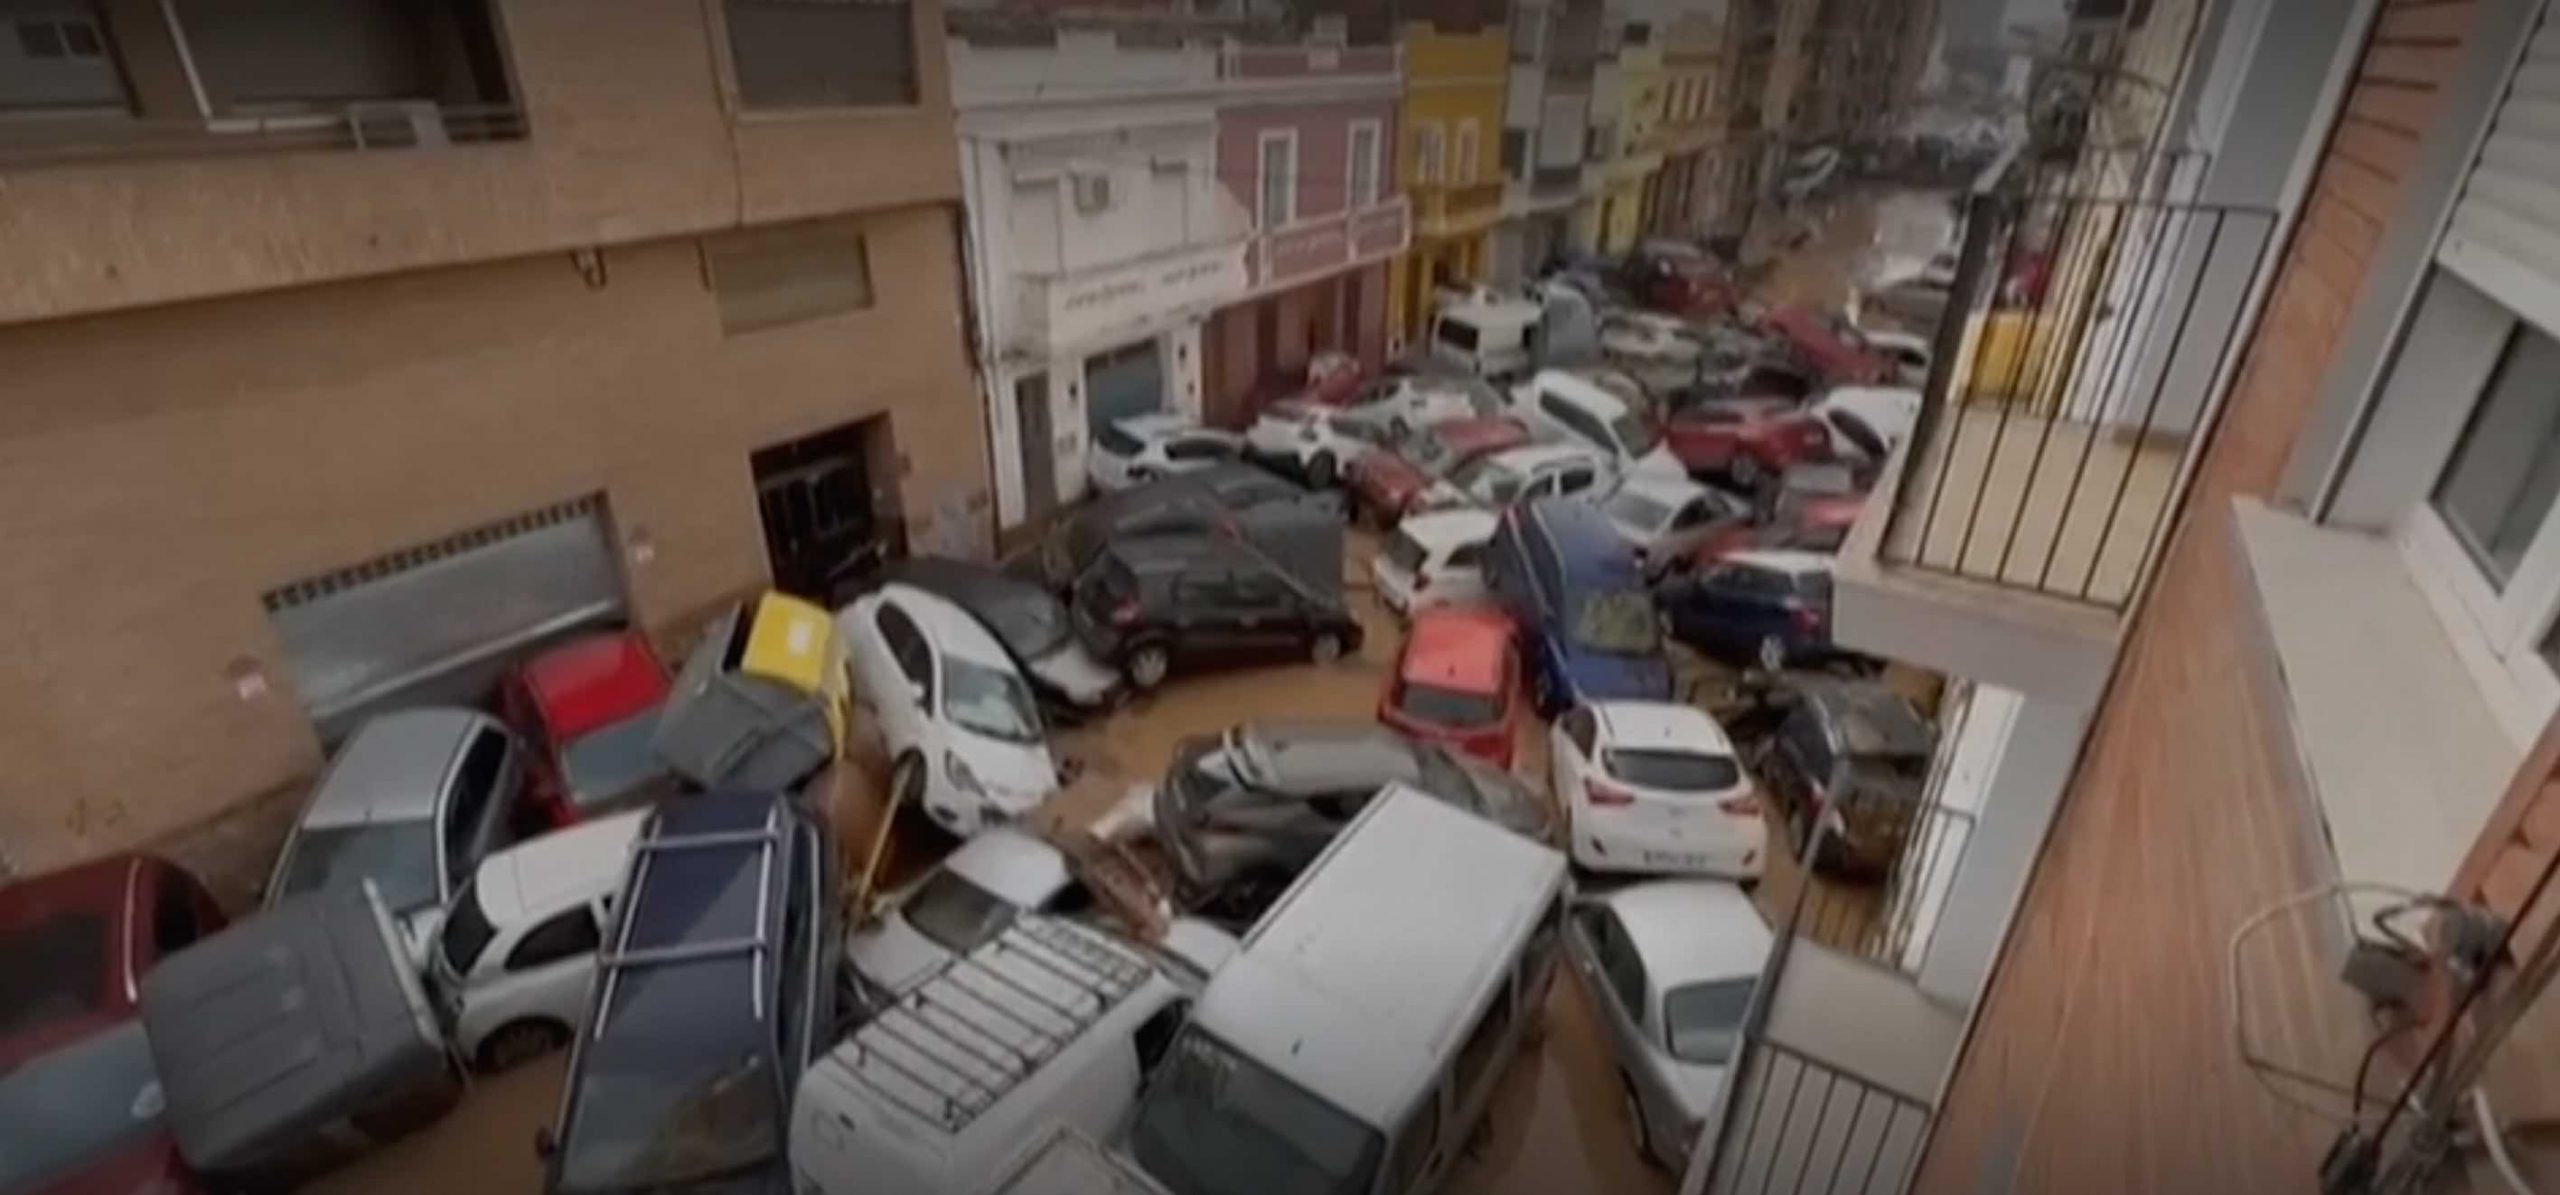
<point>1153,605</point>
<point>717,989</point>
<point>1852,745</point>
<point>1221,499</point>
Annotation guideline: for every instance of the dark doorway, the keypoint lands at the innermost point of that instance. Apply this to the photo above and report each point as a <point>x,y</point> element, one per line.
<point>823,525</point>
<point>1039,452</point>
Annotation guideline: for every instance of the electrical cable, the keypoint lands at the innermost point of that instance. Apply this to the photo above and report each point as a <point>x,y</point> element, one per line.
<point>2267,1070</point>
<point>2496,1141</point>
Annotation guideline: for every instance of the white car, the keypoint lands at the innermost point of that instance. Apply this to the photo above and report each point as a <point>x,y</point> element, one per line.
<point>1136,450</point>
<point>1434,559</point>
<point>1312,440</point>
<point>1654,787</point>
<point>1403,405</point>
<point>966,902</point>
<point>1647,337</point>
<point>518,947</point>
<point>1670,966</point>
<point>1868,422</point>
<point>1518,475</point>
<point>1665,519</point>
<point>1608,418</point>
<point>955,719</point>
<point>1909,351</point>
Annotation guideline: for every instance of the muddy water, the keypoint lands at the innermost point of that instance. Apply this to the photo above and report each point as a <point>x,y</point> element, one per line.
<point>484,1147</point>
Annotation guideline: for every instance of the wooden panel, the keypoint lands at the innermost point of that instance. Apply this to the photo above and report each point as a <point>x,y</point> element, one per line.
<point>2426,22</point>
<point>2400,106</point>
<point>2420,63</point>
<point>2380,148</point>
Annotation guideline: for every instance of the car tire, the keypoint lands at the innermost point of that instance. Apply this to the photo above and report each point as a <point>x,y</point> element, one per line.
<point>1634,1111</point>
<point>1745,472</point>
<point>1326,648</point>
<point>1771,655</point>
<point>1322,472</point>
<point>518,1042</point>
<point>1148,664</point>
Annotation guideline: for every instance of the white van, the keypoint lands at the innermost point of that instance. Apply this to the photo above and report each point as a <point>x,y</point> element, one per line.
<point>1434,559</point>
<point>1050,1022</point>
<point>1568,405</point>
<point>1487,336</point>
<point>518,946</point>
<point>1354,1040</point>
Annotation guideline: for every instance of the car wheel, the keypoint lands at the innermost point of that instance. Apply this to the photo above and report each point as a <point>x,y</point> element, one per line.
<point>1322,472</point>
<point>1745,471</point>
<point>1326,649</point>
<point>1636,1134</point>
<point>1772,655</point>
<point>519,1042</point>
<point>1148,665</point>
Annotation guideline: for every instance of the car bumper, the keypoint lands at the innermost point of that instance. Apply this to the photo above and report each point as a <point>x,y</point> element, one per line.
<point>1599,847</point>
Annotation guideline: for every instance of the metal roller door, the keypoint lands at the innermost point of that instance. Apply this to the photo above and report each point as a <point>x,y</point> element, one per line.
<point>1123,382</point>
<point>436,623</point>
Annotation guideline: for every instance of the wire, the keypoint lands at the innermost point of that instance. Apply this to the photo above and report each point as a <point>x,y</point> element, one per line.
<point>2364,1065</point>
<point>2266,1070</point>
<point>2496,1141</point>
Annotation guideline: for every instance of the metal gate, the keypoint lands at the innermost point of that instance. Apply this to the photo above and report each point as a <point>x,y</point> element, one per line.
<point>436,623</point>
<point>1123,382</point>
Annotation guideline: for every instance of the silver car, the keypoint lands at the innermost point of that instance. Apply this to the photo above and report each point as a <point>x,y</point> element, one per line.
<point>412,802</point>
<point>1670,967</point>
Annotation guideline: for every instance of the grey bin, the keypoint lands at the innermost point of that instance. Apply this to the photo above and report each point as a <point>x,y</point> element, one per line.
<point>723,729</point>
<point>294,1040</point>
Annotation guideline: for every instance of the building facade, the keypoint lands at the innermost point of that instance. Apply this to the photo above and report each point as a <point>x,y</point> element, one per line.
<point>1548,111</point>
<point>1306,137</point>
<point>390,340</point>
<point>1690,134</point>
<point>1631,155</point>
<point>1451,164</point>
<point>1100,237</point>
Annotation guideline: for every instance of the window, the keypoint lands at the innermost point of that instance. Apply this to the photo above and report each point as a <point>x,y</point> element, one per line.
<point>53,55</point>
<point>1426,154</point>
<point>1803,739</point>
<point>787,274</point>
<point>1624,971</point>
<point>174,923</point>
<point>1363,170</point>
<point>1515,153</point>
<point>1258,592</point>
<point>566,936</point>
<point>1155,1034</point>
<point>1465,556</point>
<point>1203,590</point>
<point>1581,726</point>
<point>1465,172</point>
<point>1278,192</point>
<point>1484,1043</point>
<point>822,53</point>
<point>800,978</point>
<point>270,57</point>
<point>1199,448</point>
<point>2505,471</point>
<point>1092,192</point>
<point>474,785</point>
<point>1575,479</point>
<point>1411,1156</point>
<point>905,643</point>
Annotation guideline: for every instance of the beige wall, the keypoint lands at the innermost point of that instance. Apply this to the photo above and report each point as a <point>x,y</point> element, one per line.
<point>160,469</point>
<point>630,138</point>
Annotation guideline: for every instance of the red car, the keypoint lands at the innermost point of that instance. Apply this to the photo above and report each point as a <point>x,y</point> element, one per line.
<point>78,1089</point>
<point>586,711</point>
<point>1814,509</point>
<point>1829,345</point>
<point>1386,483</point>
<point>1457,682</point>
<point>1745,439</point>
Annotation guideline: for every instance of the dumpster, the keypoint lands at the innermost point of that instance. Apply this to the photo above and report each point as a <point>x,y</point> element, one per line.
<point>760,703</point>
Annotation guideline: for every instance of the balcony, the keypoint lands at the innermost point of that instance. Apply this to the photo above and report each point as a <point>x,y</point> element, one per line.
<point>368,126</point>
<point>1456,211</point>
<point>1124,299</point>
<point>1329,244</point>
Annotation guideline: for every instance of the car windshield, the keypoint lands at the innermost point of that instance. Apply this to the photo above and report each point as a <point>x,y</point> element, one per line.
<point>1638,509</point>
<point>53,970</point>
<point>1447,707</point>
<point>1701,1022</point>
<point>612,760</point>
<point>1461,337</point>
<point>1406,553</point>
<point>1676,771</point>
<point>399,857</point>
<point>988,701</point>
<point>1214,1122</point>
<point>72,1108</point>
<point>691,1106</point>
<point>1633,432</point>
<point>1620,623</point>
<point>959,915</point>
<point>466,932</point>
<point>1116,441</point>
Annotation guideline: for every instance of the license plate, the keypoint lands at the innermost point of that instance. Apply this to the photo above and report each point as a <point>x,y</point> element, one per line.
<point>1679,859</point>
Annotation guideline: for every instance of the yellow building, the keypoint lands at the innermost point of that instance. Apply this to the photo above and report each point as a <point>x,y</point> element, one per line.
<point>1451,165</point>
<point>1628,166</point>
<point>1690,133</point>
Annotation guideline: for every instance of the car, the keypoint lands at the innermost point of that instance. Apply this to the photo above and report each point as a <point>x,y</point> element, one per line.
<point>1487,335</point>
<point>963,903</point>
<point>1220,499</point>
<point>1306,439</point>
<point>958,724</point>
<point>1745,441</point>
<point>1829,345</point>
<point>1910,352</point>
<point>585,712</point>
<point>1679,278</point>
<point>1156,606</point>
<point>1521,474</point>
<point>1432,560</point>
<point>1243,812</point>
<point>413,802</point>
<point>1654,787</point>
<point>1456,683</point>
<point>1586,623</point>
<point>717,989</point>
<point>1389,484</point>
<point>1769,607</point>
<point>518,946</point>
<point>1404,402</point>
<point>1607,413</point>
<point>1670,966</point>
<point>1028,620</point>
<point>78,1087</point>
<point>1136,450</point>
<point>1645,337</point>
<point>1848,757</point>
<point>1868,422</point>
<point>1811,509</point>
<point>1665,520</point>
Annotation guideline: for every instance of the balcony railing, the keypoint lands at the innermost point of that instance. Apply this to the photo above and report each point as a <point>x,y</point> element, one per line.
<point>1891,920</point>
<point>1436,209</point>
<point>2076,365</point>
<point>383,125</point>
<point>1065,309</point>
<point>1327,244</point>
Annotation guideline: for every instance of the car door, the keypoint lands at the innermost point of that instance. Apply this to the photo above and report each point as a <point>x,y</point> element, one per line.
<point>1570,743</point>
<point>906,694</point>
<point>475,808</point>
<point>1576,479</point>
<point>1196,450</point>
<point>1614,976</point>
<point>1271,621</point>
<point>1203,614</point>
<point>544,975</point>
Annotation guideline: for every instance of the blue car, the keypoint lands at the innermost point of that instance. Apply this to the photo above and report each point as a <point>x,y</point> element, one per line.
<point>1587,625</point>
<point>1764,608</point>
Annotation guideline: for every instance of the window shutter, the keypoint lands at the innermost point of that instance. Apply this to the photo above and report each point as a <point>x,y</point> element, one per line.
<point>2505,233</point>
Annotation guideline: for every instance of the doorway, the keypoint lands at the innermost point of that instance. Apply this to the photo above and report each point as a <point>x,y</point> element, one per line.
<point>1038,447</point>
<point>824,524</point>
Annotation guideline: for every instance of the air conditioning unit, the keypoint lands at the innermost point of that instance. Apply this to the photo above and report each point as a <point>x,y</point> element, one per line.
<point>1093,192</point>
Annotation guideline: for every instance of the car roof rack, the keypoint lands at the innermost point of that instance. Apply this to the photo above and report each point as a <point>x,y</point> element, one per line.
<point>611,963</point>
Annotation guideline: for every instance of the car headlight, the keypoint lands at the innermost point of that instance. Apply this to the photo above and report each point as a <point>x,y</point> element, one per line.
<point>961,777</point>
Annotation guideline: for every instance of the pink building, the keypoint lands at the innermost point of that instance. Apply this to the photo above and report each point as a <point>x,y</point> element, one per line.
<point>1305,145</point>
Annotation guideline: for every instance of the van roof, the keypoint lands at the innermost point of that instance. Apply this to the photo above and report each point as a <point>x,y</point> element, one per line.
<point>1491,311</point>
<point>1580,390</point>
<point>1373,964</point>
<point>541,876</point>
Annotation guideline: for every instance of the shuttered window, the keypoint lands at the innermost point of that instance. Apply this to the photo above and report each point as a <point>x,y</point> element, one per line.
<point>2505,234</point>
<point>768,277</point>
<point>822,53</point>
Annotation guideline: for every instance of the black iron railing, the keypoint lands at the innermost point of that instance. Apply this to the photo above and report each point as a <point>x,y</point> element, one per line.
<point>1889,919</point>
<point>2075,375</point>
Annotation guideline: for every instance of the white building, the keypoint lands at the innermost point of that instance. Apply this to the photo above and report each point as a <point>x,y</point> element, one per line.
<point>1097,239</point>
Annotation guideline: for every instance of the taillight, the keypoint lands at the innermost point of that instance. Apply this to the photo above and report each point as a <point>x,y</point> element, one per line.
<point>1603,795</point>
<point>1743,806</point>
<point>1125,613</point>
<point>1808,620</point>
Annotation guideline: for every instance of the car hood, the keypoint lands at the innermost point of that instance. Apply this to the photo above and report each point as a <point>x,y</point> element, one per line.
<point>1012,772</point>
<point>891,954</point>
<point>1077,674</point>
<point>1605,676</point>
<point>1387,478</point>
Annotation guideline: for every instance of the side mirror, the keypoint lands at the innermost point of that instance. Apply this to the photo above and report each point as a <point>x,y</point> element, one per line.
<point>545,1146</point>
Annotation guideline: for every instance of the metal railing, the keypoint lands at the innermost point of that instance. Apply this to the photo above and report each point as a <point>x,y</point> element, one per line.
<point>373,126</point>
<point>2073,379</point>
<point>1890,922</point>
<point>1800,1126</point>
